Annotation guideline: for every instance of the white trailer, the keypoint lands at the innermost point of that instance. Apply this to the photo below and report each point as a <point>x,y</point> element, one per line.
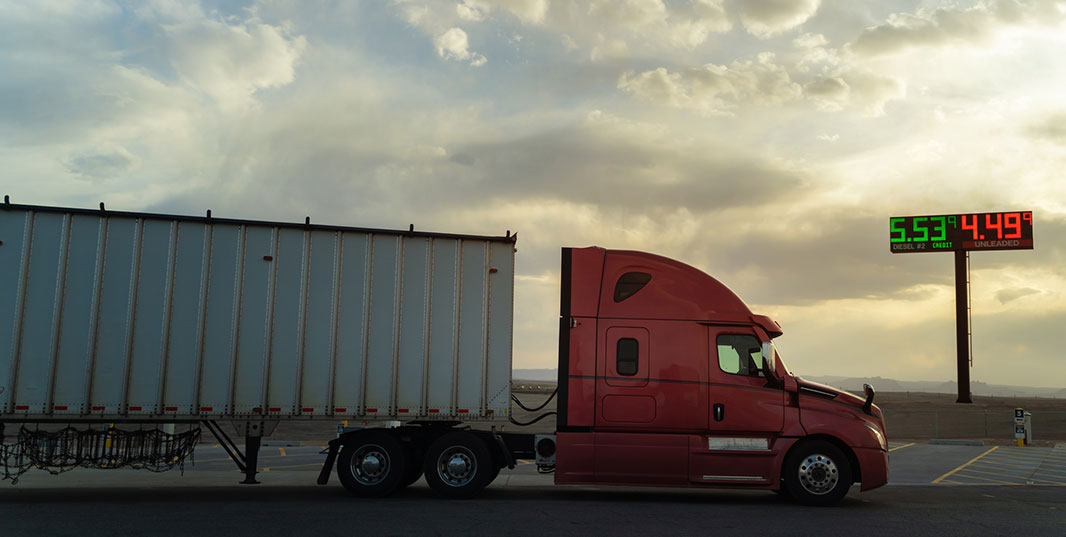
<point>110,316</point>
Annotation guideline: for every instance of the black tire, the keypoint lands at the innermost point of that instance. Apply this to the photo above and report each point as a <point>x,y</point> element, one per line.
<point>372,464</point>
<point>817,473</point>
<point>458,465</point>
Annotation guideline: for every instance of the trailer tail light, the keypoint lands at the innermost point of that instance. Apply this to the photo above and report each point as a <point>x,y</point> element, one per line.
<point>464,411</point>
<point>371,410</point>
<point>308,410</point>
<point>135,409</point>
<point>22,407</point>
<point>340,409</point>
<point>170,409</point>
<point>403,410</point>
<point>98,409</point>
<point>60,407</point>
<point>275,409</point>
<point>489,411</point>
<point>434,411</point>
<point>206,409</point>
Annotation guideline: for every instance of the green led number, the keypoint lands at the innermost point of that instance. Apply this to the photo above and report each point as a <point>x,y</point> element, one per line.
<point>941,228</point>
<point>923,230</point>
<point>896,229</point>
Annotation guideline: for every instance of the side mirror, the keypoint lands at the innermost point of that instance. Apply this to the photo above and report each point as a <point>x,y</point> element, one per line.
<point>768,359</point>
<point>866,407</point>
<point>769,363</point>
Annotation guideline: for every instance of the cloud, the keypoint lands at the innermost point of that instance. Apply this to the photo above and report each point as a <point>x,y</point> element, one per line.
<point>715,89</point>
<point>103,163</point>
<point>599,30</point>
<point>956,25</point>
<point>863,91</point>
<point>1009,295</point>
<point>767,18</point>
<point>453,45</point>
<point>719,89</point>
<point>1052,128</point>
<point>231,62</point>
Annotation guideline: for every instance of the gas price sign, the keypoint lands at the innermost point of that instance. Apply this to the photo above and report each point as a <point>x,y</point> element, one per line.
<point>951,232</point>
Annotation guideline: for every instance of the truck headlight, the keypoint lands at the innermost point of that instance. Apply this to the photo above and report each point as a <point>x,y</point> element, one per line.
<point>880,438</point>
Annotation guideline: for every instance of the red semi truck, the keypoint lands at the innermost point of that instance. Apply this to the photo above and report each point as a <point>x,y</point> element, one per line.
<point>666,378</point>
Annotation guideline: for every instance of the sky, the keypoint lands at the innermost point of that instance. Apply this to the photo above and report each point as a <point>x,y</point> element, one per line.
<point>766,142</point>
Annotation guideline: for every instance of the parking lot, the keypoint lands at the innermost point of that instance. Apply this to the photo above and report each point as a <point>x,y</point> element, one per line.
<point>933,489</point>
<point>911,463</point>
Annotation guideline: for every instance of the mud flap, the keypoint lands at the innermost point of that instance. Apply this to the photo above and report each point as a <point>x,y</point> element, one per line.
<point>331,458</point>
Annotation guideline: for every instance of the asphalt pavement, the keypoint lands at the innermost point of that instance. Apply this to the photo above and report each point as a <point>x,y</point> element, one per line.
<point>933,490</point>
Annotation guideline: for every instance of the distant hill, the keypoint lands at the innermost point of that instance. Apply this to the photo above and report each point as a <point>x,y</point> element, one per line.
<point>854,384</point>
<point>535,374</point>
<point>884,385</point>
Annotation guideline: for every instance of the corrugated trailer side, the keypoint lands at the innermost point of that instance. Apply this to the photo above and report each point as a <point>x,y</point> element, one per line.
<point>114,315</point>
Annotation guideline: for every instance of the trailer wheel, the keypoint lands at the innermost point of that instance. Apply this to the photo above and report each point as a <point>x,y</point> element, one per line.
<point>817,473</point>
<point>458,465</point>
<point>372,464</point>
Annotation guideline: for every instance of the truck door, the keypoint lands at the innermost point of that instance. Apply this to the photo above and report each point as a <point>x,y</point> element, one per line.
<point>629,411</point>
<point>746,412</point>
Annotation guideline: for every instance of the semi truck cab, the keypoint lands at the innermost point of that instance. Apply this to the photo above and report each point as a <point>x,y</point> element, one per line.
<point>666,378</point>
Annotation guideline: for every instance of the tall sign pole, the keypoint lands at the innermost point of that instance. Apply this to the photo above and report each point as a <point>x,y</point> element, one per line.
<point>962,323</point>
<point>961,234</point>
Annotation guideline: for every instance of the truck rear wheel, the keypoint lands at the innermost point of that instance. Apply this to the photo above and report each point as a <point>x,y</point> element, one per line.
<point>458,465</point>
<point>372,464</point>
<point>817,473</point>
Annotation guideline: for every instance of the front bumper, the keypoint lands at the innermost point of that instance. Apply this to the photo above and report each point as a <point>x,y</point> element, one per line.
<point>873,463</point>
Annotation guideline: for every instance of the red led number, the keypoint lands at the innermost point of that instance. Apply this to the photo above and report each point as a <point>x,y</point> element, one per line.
<point>1012,220</point>
<point>970,225</point>
<point>998,226</point>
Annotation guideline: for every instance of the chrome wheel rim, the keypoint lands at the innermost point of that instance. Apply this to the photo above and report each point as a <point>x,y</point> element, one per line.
<point>818,474</point>
<point>457,466</point>
<point>370,464</point>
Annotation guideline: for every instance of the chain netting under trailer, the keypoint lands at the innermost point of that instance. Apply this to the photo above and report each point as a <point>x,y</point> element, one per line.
<point>61,451</point>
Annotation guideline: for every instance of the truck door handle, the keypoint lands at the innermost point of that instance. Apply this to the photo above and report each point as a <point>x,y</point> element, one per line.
<point>719,412</point>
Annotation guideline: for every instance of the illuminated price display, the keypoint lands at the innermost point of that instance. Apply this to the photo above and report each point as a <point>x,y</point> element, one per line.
<point>950,232</point>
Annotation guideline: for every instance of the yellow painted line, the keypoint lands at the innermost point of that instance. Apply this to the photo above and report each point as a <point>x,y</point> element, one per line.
<point>1016,458</point>
<point>1047,481</point>
<point>901,447</point>
<point>261,457</point>
<point>312,465</point>
<point>967,476</point>
<point>1005,465</point>
<point>974,468</point>
<point>971,461</point>
<point>1020,456</point>
<point>282,450</point>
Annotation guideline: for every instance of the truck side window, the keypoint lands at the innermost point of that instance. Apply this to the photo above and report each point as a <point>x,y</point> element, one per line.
<point>627,356</point>
<point>629,284</point>
<point>740,354</point>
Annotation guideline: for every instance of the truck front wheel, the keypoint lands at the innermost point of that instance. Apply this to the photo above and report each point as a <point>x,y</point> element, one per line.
<point>458,465</point>
<point>372,464</point>
<point>817,473</point>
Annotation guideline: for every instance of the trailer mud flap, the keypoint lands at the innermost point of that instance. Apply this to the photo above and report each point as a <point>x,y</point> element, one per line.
<point>331,458</point>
